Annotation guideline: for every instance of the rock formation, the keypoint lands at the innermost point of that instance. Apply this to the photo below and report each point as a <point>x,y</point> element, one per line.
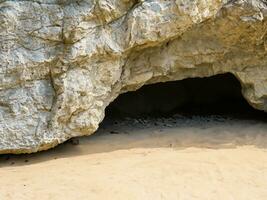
<point>64,61</point>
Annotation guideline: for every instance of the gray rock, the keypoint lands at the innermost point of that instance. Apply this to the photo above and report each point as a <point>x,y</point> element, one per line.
<point>62,61</point>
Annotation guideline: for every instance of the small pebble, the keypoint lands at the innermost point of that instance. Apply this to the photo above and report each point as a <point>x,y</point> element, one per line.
<point>114,132</point>
<point>74,141</point>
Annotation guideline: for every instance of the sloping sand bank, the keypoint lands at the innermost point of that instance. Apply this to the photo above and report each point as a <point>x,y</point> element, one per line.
<point>195,158</point>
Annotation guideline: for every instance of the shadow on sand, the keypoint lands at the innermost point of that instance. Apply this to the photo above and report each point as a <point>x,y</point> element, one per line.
<point>177,133</point>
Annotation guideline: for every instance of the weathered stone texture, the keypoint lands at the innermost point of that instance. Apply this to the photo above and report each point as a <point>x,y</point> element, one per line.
<point>64,61</point>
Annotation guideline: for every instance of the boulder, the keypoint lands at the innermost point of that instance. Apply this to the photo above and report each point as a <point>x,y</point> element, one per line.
<point>62,62</point>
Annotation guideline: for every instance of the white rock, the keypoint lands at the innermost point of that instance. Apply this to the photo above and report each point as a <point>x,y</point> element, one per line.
<point>62,62</point>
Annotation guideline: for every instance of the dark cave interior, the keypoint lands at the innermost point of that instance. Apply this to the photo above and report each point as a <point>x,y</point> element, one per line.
<point>216,95</point>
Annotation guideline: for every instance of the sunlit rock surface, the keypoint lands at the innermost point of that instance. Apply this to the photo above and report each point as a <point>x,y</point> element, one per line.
<point>64,61</point>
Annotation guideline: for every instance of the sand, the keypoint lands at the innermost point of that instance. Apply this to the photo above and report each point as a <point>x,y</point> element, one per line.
<point>197,158</point>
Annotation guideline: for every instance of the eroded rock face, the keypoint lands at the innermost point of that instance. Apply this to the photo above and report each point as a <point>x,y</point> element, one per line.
<point>64,61</point>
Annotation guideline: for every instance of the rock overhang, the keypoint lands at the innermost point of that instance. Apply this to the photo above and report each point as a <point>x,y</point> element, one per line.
<point>63,62</point>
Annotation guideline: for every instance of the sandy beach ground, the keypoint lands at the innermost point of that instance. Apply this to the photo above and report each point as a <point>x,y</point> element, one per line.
<point>183,158</point>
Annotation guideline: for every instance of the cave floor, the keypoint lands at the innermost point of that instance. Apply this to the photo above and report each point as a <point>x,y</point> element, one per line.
<point>185,158</point>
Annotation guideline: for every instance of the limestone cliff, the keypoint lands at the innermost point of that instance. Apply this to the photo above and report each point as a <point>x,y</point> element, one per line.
<point>63,61</point>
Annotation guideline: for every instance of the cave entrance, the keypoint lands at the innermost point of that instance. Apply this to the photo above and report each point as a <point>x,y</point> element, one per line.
<point>216,95</point>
